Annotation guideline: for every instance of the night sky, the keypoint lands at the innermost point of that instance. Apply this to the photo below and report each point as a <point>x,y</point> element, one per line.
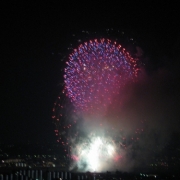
<point>35,37</point>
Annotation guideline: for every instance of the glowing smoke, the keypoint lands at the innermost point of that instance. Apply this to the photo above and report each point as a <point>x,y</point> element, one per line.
<point>137,125</point>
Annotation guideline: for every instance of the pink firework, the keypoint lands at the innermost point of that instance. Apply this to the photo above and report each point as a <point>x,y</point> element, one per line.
<point>96,72</point>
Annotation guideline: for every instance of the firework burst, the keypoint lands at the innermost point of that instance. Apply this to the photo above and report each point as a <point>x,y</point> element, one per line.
<point>95,73</point>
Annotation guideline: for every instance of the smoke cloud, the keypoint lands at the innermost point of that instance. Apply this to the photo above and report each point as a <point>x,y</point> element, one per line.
<point>151,105</point>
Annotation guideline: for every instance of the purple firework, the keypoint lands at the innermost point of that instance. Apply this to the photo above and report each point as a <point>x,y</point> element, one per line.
<point>95,73</point>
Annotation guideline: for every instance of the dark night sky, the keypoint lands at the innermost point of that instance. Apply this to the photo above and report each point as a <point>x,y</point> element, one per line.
<point>32,32</point>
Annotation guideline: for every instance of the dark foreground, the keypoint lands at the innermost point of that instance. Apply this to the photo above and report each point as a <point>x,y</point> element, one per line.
<point>55,174</point>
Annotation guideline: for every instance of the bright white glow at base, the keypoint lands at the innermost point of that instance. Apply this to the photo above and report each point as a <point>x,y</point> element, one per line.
<point>95,154</point>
